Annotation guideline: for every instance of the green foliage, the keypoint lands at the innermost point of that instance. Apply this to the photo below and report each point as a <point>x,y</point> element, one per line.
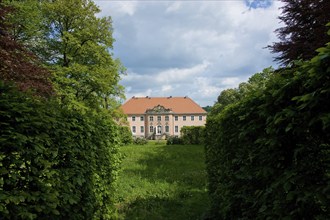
<point>140,141</point>
<point>75,44</point>
<point>207,108</point>
<point>55,162</point>
<point>174,140</point>
<point>268,153</point>
<point>125,135</point>
<point>231,96</point>
<point>58,156</point>
<point>192,134</point>
<point>27,156</point>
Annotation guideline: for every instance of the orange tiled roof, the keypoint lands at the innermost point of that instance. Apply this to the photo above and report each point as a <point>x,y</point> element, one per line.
<point>179,105</point>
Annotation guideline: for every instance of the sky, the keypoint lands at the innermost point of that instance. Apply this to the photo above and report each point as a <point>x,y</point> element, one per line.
<point>194,48</point>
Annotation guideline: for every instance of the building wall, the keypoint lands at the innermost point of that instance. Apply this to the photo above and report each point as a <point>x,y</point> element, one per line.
<point>135,121</point>
<point>174,122</point>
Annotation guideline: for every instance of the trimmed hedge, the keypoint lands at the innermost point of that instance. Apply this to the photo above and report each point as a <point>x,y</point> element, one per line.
<point>56,163</point>
<point>268,155</point>
<point>192,134</point>
<point>174,140</point>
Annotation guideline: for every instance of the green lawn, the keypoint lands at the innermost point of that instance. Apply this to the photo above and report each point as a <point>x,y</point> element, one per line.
<point>162,182</point>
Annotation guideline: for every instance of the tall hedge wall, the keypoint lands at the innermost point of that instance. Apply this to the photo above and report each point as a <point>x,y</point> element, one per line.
<point>55,162</point>
<point>268,154</point>
<point>192,134</point>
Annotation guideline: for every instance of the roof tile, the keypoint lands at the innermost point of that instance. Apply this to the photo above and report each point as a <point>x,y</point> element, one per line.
<point>179,105</point>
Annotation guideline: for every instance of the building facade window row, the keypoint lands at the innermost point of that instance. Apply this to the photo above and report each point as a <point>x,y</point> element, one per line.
<point>157,129</point>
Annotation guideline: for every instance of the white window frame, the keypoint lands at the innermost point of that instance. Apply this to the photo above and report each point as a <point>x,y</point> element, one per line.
<point>159,129</point>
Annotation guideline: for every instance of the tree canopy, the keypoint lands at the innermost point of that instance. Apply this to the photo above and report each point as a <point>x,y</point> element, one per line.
<point>76,45</point>
<point>17,64</point>
<point>304,30</point>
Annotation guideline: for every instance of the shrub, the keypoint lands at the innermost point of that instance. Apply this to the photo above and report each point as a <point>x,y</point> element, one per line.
<point>173,140</point>
<point>192,134</point>
<point>140,141</point>
<point>125,135</point>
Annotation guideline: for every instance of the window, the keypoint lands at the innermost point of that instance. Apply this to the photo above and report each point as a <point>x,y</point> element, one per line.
<point>176,129</point>
<point>176,118</point>
<point>142,129</point>
<point>141,118</point>
<point>200,117</point>
<point>133,129</point>
<point>159,118</point>
<point>159,129</point>
<point>151,129</point>
<point>167,118</point>
<point>184,117</point>
<point>192,118</point>
<point>133,118</point>
<point>167,128</point>
<point>151,118</point>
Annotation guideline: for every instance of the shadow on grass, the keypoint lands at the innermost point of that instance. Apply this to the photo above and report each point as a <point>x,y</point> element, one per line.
<point>183,168</point>
<point>159,208</point>
<point>180,164</point>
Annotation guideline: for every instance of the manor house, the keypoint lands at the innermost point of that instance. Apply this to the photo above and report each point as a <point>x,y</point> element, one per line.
<point>158,117</point>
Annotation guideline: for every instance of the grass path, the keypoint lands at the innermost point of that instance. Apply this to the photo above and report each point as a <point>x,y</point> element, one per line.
<point>162,182</point>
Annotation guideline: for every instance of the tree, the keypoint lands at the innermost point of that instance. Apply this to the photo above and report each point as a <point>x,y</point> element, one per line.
<point>231,96</point>
<point>17,64</point>
<point>207,108</point>
<point>304,31</point>
<point>76,45</point>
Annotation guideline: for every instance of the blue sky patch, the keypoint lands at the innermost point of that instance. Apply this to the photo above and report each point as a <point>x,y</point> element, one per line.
<point>258,3</point>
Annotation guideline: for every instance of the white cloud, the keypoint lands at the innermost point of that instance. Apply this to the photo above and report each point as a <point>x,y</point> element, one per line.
<point>176,74</point>
<point>167,88</point>
<point>205,88</point>
<point>230,81</point>
<point>195,48</point>
<point>173,7</point>
<point>117,8</point>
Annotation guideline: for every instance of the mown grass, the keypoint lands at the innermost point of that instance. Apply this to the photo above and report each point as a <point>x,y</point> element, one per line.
<point>162,182</point>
